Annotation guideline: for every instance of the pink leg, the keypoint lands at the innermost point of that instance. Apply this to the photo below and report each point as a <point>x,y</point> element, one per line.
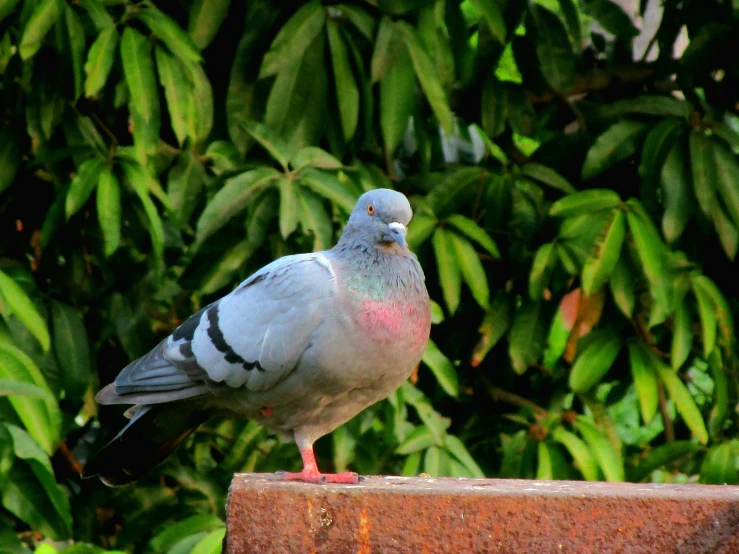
<point>310,473</point>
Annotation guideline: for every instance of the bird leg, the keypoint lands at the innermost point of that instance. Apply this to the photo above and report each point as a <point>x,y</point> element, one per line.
<point>310,473</point>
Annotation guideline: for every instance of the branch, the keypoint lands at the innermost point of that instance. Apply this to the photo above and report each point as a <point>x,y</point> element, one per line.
<point>599,79</point>
<point>500,395</point>
<point>667,422</point>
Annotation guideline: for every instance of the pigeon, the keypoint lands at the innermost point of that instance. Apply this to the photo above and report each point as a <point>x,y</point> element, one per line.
<point>301,347</point>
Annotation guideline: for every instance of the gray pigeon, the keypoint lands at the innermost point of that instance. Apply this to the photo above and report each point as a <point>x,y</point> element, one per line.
<point>301,346</point>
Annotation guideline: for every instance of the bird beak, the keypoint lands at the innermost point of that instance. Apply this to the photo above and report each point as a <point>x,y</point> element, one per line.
<point>398,231</point>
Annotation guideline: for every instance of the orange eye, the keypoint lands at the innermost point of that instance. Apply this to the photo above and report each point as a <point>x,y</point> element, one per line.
<point>371,209</point>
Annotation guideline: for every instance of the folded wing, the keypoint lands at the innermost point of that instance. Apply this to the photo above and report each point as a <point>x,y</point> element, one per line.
<point>253,337</point>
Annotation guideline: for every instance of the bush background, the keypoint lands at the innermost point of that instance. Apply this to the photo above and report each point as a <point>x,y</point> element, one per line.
<point>574,175</point>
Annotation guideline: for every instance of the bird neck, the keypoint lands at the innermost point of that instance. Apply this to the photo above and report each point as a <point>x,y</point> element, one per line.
<point>379,273</point>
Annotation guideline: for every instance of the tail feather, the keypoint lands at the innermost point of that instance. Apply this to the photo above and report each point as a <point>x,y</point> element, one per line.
<point>153,433</point>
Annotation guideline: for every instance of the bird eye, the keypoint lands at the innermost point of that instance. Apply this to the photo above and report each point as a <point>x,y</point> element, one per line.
<point>371,209</point>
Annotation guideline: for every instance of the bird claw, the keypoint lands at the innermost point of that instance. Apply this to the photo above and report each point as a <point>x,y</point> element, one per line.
<point>347,478</point>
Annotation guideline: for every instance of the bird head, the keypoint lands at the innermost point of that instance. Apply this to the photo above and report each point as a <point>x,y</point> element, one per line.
<point>380,218</point>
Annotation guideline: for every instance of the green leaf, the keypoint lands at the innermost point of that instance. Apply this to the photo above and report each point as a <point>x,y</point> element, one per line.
<point>494,108</point>
<point>40,416</point>
<point>657,145</point>
<point>727,177</point>
<point>419,230</point>
<point>553,49</point>
<point>493,18</point>
<point>728,134</point>
<point>435,462</point>
<point>419,439</point>
<point>192,525</point>
<point>293,39</point>
<point>99,16</point>
<point>684,402</point>
<point>176,88</point>
<point>232,198</point>
<point>707,313</point>
<point>585,202</point>
<point>548,176</point>
<point>493,327</point>
<point>212,543</point>
<point>315,218</point>
<point>474,232</point>
<point>297,104</point>
<point>584,458</point>
<point>561,328</point>
<point>397,7</point>
<point>386,49</point>
<point>170,33</point>
<point>704,172</point>
<point>676,195</point>
<point>109,210</point>
<point>682,336</point>
<point>139,179</point>
<point>33,496</point>
<point>727,231</point>
<point>722,310</point>
<point>720,410</point>
<point>261,214</point>
<point>472,270</point>
<point>330,187</point>
<point>608,457</point>
<point>223,157</point>
<point>397,97</point>
<point>616,143</point>
<point>138,70</point>
<point>611,17</point>
<point>721,464</point>
<point>76,34</point>
<point>651,252</point>
<point>652,104</point>
<point>184,183</point>
<point>10,159</point>
<point>240,106</point>
<point>100,60</point>
<point>72,350</point>
<point>312,156</point>
<point>428,76</point>
<point>10,387</point>
<point>572,20</point>
<point>200,106</point>
<point>528,336</point>
<point>541,270</point>
<point>289,206</point>
<point>437,314</point>
<point>44,16</point>
<point>447,195</point>
<point>17,303</point>
<point>362,20</point>
<point>206,17</point>
<point>594,361</point>
<point>269,141</point>
<point>600,264</point>
<point>7,7</point>
<point>661,456</point>
<point>442,368</point>
<point>450,277</point>
<point>347,93</point>
<point>551,463</point>
<point>82,185</point>
<point>457,448</point>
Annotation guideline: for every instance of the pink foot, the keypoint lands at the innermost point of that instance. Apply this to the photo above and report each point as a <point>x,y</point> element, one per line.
<point>310,473</point>
<point>348,477</point>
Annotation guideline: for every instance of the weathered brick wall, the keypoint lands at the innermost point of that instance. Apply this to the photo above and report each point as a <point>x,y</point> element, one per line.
<point>416,515</point>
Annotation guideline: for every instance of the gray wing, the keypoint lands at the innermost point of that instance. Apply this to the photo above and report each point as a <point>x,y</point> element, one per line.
<point>251,338</point>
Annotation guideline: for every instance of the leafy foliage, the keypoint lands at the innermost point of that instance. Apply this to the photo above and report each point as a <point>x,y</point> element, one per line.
<point>576,212</point>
